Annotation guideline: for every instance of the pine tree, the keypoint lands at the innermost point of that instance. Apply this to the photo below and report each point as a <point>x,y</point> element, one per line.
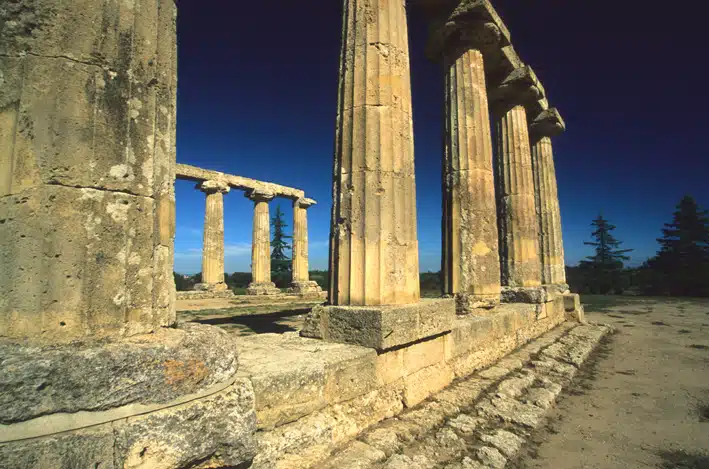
<point>681,267</point>
<point>604,270</point>
<point>280,263</point>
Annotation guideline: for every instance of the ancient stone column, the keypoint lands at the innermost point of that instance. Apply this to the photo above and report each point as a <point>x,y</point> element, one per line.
<point>517,221</point>
<point>374,248</point>
<point>213,244</point>
<point>470,258</point>
<point>87,154</point>
<point>545,126</point>
<point>261,283</point>
<point>302,285</point>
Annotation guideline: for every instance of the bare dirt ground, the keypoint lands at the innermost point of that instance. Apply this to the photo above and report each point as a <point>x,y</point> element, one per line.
<point>643,401</point>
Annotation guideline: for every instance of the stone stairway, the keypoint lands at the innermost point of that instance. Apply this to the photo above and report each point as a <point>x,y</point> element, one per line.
<point>481,421</point>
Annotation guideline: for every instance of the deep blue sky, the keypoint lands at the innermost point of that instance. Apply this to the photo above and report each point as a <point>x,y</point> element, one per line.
<point>258,88</point>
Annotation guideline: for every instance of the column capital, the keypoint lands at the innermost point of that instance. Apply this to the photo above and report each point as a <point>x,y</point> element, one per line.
<point>304,202</point>
<point>212,186</point>
<point>519,88</point>
<point>259,195</point>
<point>548,123</point>
<point>467,25</point>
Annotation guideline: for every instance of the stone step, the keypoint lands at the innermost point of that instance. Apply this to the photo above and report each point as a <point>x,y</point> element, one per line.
<point>481,421</point>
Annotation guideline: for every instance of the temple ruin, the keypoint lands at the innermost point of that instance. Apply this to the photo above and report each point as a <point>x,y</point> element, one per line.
<point>96,371</point>
<point>215,184</point>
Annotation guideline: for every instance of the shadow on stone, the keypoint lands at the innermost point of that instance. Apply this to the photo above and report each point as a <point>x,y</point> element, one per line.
<point>260,324</point>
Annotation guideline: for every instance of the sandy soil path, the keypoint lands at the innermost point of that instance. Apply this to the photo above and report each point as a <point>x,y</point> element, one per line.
<point>644,402</point>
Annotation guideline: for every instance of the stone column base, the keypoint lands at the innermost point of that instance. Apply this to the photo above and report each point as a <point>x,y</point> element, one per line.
<point>263,289</point>
<point>381,327</point>
<point>480,305</point>
<point>307,288</point>
<point>211,287</point>
<point>165,399</point>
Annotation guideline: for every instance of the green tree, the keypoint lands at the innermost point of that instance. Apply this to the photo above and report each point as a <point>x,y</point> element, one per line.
<point>603,271</point>
<point>681,267</point>
<point>280,263</point>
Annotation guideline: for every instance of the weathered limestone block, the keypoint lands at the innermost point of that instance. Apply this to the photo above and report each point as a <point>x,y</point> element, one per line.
<point>381,327</point>
<point>551,244</point>
<point>144,369</point>
<point>517,220</point>
<point>261,283</point>
<point>573,308</point>
<point>87,154</point>
<point>470,258</point>
<point>374,258</point>
<point>213,246</point>
<point>217,430</point>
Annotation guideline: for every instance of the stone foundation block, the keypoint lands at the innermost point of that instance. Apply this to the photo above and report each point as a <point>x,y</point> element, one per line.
<point>204,295</point>
<point>211,287</point>
<point>422,384</point>
<point>218,429</point>
<point>381,327</point>
<point>480,305</point>
<point>151,369</point>
<point>265,288</point>
<point>573,308</point>
<point>534,295</point>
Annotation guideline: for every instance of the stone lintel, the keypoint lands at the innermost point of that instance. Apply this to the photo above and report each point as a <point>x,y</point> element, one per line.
<point>214,185</point>
<point>547,123</point>
<point>381,327</point>
<point>520,88</point>
<point>459,26</point>
<point>193,173</point>
<point>259,195</point>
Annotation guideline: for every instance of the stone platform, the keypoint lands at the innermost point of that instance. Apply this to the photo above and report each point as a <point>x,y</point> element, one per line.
<point>313,396</point>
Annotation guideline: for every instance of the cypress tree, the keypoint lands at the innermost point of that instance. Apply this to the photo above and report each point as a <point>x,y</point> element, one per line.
<point>681,267</point>
<point>280,263</point>
<point>604,270</point>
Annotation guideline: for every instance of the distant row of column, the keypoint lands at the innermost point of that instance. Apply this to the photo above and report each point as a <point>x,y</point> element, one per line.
<point>501,224</point>
<point>213,248</point>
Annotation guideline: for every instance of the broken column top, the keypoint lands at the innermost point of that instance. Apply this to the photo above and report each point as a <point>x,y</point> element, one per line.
<point>214,185</point>
<point>520,88</point>
<point>304,202</point>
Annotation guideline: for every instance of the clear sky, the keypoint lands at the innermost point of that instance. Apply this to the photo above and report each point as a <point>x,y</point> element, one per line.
<point>258,89</point>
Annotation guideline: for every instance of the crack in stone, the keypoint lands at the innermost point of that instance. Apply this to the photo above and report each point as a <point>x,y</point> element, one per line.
<point>103,189</point>
<point>63,57</point>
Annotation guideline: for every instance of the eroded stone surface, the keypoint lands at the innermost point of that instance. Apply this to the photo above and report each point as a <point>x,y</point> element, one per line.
<point>146,369</point>
<point>218,428</point>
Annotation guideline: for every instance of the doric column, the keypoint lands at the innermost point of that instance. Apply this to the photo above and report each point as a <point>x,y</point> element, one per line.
<point>261,283</point>
<point>213,244</point>
<point>517,219</point>
<point>302,284</point>
<point>470,257</point>
<point>374,248</point>
<point>548,124</point>
<point>87,154</point>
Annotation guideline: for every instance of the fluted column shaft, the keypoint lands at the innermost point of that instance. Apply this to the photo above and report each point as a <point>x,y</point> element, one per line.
<point>470,258</point>
<point>213,243</point>
<point>300,242</point>
<point>551,243</point>
<point>261,243</point>
<point>517,219</point>
<point>374,248</point>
